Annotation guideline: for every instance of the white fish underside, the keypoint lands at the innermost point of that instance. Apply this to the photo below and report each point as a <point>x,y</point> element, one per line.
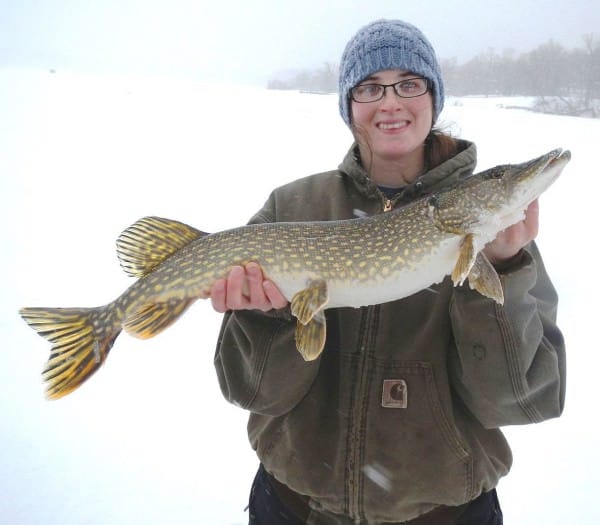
<point>433,267</point>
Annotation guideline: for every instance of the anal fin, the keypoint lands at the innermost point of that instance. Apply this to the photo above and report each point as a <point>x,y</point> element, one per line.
<point>152,318</point>
<point>484,278</point>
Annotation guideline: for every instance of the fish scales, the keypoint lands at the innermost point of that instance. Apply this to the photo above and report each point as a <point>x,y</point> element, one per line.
<point>316,265</point>
<point>349,255</point>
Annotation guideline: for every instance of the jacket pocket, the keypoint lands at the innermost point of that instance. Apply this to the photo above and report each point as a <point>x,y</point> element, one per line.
<point>413,456</point>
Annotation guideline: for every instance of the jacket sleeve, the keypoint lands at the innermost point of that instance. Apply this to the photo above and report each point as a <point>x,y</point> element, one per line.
<point>509,364</point>
<point>257,363</point>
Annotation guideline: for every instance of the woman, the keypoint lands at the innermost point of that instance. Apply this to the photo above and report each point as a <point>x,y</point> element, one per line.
<point>398,420</point>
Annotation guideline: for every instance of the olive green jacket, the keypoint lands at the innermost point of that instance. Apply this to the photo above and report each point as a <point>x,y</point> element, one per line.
<point>401,413</point>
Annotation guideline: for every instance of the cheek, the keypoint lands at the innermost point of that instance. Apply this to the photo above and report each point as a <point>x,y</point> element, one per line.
<point>423,106</point>
<point>361,113</point>
<point>426,109</point>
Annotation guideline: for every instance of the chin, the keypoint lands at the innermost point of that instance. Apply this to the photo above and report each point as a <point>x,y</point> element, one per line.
<point>397,152</point>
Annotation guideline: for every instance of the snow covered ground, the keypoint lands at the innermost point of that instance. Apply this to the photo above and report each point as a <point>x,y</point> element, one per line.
<point>149,439</point>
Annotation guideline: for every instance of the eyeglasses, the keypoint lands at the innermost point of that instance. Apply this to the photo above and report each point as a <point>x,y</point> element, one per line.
<point>407,88</point>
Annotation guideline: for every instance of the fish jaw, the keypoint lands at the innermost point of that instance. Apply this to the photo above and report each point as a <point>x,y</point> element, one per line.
<point>491,201</point>
<point>527,181</point>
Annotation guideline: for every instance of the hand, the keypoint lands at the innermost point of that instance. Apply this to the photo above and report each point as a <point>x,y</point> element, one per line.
<point>510,241</point>
<point>246,289</point>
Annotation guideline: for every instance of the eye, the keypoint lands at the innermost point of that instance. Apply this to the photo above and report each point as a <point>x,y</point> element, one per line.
<point>412,86</point>
<point>409,84</point>
<point>495,173</point>
<point>368,90</point>
<point>432,206</point>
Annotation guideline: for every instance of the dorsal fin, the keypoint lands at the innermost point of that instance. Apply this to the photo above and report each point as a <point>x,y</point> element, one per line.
<point>151,240</point>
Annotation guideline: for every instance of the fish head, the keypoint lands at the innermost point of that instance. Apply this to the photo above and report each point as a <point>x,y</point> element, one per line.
<point>497,197</point>
<point>525,182</point>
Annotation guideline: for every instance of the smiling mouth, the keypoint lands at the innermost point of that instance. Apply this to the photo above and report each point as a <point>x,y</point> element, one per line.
<point>385,126</point>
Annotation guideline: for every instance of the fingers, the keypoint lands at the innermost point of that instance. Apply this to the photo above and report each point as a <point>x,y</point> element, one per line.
<point>532,219</point>
<point>246,289</point>
<point>256,293</point>
<point>236,298</point>
<point>521,233</point>
<point>275,297</point>
<point>218,295</point>
<point>510,241</point>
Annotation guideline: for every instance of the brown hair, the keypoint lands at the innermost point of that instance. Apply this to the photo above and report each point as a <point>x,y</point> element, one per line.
<point>439,147</point>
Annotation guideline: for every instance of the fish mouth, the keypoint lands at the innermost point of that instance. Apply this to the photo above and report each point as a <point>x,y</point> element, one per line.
<point>560,156</point>
<point>530,179</point>
<point>551,158</point>
<point>554,161</point>
<point>557,160</point>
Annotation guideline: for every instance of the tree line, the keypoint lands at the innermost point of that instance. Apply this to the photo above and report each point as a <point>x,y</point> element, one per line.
<point>565,81</point>
<point>321,80</point>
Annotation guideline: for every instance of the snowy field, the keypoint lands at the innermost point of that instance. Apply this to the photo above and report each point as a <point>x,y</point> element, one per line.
<point>149,439</point>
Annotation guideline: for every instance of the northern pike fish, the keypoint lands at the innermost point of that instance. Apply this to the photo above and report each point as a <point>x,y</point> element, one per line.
<point>316,265</point>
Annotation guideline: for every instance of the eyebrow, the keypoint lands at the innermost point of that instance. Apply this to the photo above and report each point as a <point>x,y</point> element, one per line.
<point>375,76</point>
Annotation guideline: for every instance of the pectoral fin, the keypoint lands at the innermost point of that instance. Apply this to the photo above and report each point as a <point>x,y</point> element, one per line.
<point>310,337</point>
<point>307,306</point>
<point>484,278</point>
<point>466,259</point>
<point>306,303</point>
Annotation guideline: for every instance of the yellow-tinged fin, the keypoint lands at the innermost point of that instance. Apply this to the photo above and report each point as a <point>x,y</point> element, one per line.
<point>310,337</point>
<point>152,318</point>
<point>312,299</point>
<point>484,278</point>
<point>151,240</point>
<point>307,306</point>
<point>465,261</point>
<point>81,339</point>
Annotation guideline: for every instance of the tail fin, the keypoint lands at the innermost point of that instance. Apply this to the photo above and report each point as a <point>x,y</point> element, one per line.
<point>81,339</point>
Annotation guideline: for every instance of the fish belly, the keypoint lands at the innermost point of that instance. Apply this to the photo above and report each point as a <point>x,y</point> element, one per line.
<point>381,287</point>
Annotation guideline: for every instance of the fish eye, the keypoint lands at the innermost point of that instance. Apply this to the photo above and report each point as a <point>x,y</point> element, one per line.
<point>495,173</point>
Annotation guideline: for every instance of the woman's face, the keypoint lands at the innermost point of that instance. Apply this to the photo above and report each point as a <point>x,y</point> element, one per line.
<point>392,128</point>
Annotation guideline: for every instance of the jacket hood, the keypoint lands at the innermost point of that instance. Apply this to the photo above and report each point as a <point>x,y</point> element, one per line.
<point>460,165</point>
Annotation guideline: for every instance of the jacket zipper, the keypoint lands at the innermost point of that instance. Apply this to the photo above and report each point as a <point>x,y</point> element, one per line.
<point>355,466</point>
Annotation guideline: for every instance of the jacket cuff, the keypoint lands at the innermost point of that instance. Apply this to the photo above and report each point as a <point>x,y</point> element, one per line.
<point>515,263</point>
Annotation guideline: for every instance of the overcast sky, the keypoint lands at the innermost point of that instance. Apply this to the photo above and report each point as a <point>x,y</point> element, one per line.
<point>250,41</point>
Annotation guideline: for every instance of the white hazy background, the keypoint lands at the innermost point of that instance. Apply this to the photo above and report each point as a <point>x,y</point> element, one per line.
<point>84,152</point>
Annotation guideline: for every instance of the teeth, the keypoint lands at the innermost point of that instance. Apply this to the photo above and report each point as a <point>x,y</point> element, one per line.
<point>393,125</point>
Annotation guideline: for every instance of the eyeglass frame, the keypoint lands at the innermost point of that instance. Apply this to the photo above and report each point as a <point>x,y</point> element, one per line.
<point>385,86</point>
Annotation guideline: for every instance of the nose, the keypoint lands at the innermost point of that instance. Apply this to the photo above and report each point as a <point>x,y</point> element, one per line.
<point>385,90</point>
<point>390,99</point>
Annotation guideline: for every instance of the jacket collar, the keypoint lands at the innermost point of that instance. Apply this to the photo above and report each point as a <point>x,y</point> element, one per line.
<point>462,164</point>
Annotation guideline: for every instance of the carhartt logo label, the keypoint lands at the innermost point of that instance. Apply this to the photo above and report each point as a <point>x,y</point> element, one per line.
<point>395,394</point>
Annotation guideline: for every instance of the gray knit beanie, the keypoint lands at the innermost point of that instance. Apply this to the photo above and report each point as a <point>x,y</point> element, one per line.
<point>388,44</point>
